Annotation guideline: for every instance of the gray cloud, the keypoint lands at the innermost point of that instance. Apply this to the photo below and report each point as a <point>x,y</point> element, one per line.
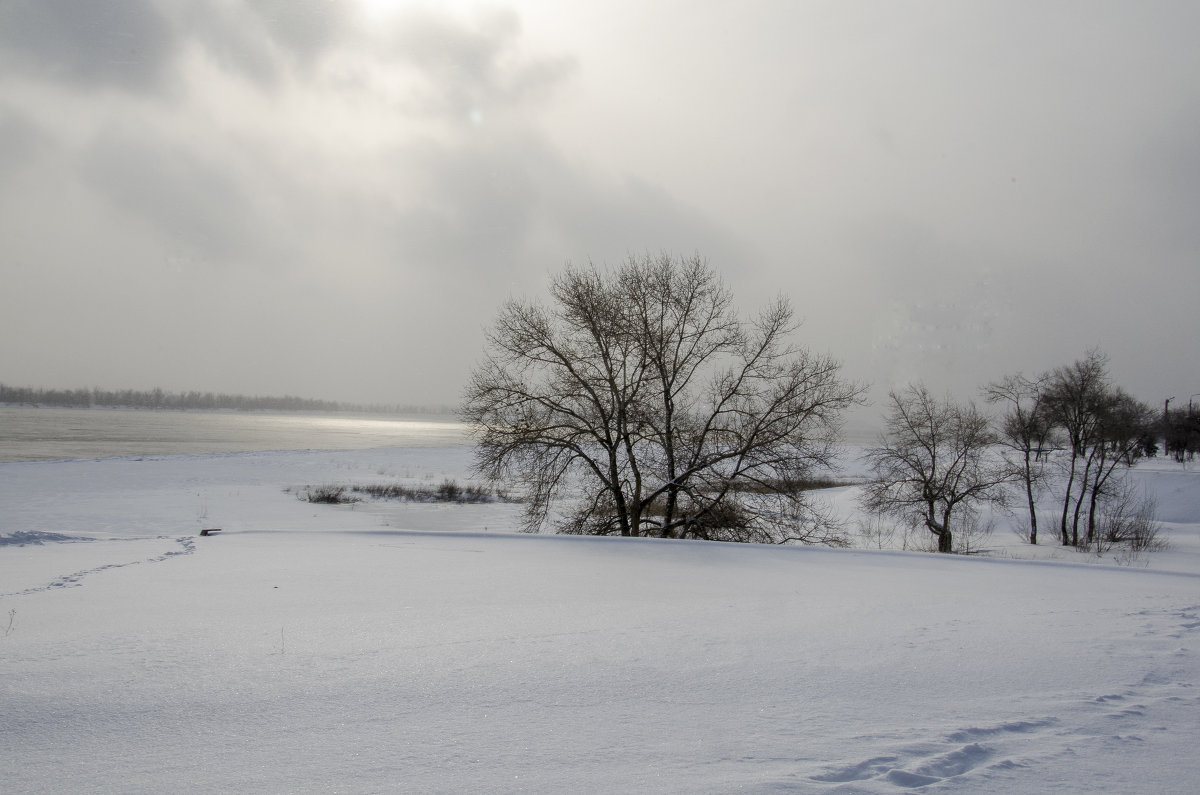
<point>305,27</point>
<point>189,199</point>
<point>126,43</point>
<point>473,71</point>
<point>20,143</point>
<point>135,44</point>
<point>279,197</point>
<point>264,39</point>
<point>512,203</point>
<point>1167,178</point>
<point>221,251</point>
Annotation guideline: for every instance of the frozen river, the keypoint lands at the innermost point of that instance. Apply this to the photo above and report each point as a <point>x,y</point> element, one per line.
<point>37,434</point>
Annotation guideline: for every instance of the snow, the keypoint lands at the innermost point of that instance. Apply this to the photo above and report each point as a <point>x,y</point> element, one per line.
<point>430,648</point>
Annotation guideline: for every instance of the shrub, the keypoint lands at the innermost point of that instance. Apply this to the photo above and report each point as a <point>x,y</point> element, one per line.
<point>447,491</point>
<point>328,495</point>
<point>1129,520</point>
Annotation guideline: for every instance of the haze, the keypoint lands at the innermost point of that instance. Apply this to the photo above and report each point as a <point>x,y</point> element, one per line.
<point>330,199</point>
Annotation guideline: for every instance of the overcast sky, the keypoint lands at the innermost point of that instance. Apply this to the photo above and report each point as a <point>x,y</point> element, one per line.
<point>331,199</point>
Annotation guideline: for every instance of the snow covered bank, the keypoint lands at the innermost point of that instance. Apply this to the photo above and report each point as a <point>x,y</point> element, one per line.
<point>406,648</point>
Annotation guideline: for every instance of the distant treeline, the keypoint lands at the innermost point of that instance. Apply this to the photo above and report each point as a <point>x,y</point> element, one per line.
<point>160,399</point>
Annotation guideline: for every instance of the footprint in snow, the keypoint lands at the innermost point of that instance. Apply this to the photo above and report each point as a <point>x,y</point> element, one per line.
<point>186,543</point>
<point>928,764</point>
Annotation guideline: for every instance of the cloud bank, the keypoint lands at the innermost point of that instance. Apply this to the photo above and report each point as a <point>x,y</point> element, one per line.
<point>331,198</point>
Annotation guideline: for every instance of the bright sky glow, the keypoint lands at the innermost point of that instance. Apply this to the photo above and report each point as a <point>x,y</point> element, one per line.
<point>381,10</point>
<point>387,11</point>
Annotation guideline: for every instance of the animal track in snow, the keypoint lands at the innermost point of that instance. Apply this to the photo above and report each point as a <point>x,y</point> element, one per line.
<point>186,546</point>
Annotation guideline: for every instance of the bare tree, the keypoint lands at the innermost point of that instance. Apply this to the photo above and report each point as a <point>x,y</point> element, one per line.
<point>1027,432</point>
<point>640,395</point>
<point>1180,429</point>
<point>1123,426</point>
<point>1106,429</point>
<point>933,461</point>
<point>1074,398</point>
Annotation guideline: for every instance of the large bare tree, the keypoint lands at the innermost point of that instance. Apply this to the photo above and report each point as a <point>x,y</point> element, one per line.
<point>933,463</point>
<point>638,402</point>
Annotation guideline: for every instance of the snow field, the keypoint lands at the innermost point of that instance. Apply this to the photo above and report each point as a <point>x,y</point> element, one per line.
<point>401,648</point>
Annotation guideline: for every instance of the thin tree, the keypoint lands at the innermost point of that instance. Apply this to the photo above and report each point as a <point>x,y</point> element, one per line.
<point>1075,397</point>
<point>1025,429</point>
<point>640,403</point>
<point>1122,427</point>
<point>933,461</point>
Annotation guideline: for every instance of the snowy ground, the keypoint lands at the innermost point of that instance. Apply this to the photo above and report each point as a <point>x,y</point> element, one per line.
<point>410,648</point>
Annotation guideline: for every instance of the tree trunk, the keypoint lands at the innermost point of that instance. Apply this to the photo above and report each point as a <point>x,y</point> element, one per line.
<point>1066,539</point>
<point>1075,515</point>
<point>1091,534</point>
<point>1098,483</point>
<point>1084,483</point>
<point>668,530</point>
<point>1029,496</point>
<point>627,529</point>
<point>941,530</point>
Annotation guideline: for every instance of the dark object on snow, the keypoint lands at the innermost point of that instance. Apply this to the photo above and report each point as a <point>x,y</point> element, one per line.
<point>210,531</point>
